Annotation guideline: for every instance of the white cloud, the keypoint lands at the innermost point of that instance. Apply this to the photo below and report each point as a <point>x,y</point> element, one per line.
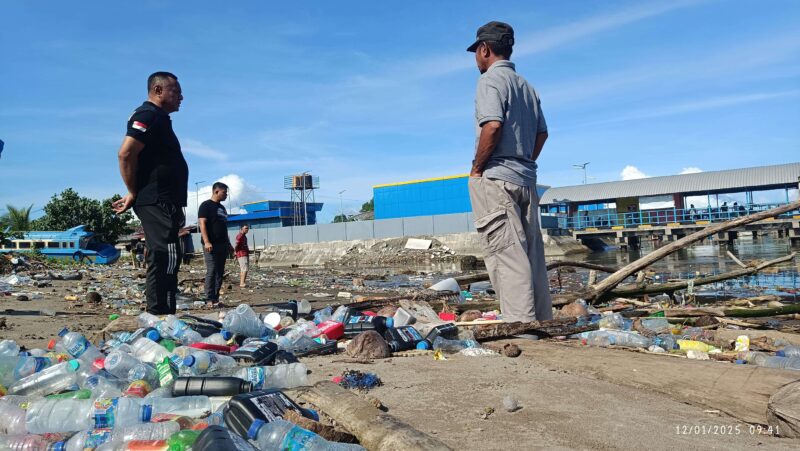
<point>632,173</point>
<point>691,170</point>
<point>239,192</point>
<point>201,150</point>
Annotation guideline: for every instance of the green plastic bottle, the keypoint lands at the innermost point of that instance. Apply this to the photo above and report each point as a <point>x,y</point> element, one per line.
<point>182,440</point>
<point>166,372</point>
<point>76,394</point>
<point>169,344</point>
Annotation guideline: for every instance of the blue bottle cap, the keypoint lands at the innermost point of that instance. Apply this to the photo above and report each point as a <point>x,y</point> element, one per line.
<point>63,332</point>
<point>311,413</point>
<point>389,322</point>
<point>189,360</point>
<point>225,334</point>
<point>59,446</point>
<point>74,365</point>
<point>153,335</point>
<point>253,431</point>
<point>147,412</point>
<point>780,353</point>
<point>740,362</point>
<point>423,345</point>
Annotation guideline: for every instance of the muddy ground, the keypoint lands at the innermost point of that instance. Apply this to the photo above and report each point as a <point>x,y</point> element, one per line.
<point>448,399</point>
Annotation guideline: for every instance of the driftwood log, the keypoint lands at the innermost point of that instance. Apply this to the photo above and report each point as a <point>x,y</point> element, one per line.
<point>374,429</point>
<point>484,276</point>
<point>548,328</point>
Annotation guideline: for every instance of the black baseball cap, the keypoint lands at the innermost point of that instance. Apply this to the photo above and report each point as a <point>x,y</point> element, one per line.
<point>494,31</point>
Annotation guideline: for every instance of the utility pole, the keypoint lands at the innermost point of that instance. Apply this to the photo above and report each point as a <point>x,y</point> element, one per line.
<point>582,167</point>
<point>197,193</point>
<point>341,205</point>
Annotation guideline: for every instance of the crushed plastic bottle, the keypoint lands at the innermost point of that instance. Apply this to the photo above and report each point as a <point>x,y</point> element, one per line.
<point>50,380</point>
<point>447,345</point>
<point>280,434</point>
<point>617,338</point>
<point>9,348</point>
<point>244,321</point>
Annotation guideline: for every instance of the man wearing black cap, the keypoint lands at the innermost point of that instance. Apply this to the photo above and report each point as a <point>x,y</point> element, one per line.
<point>511,132</point>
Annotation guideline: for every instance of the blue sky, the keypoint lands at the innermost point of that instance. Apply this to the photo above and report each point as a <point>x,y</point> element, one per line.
<point>362,93</point>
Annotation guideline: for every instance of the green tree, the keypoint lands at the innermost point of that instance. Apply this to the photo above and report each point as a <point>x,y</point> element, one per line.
<point>68,209</point>
<point>16,219</point>
<point>368,206</point>
<point>341,218</point>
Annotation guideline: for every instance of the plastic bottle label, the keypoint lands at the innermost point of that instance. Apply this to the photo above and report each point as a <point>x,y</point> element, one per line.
<point>409,334</point>
<point>97,437</point>
<point>104,412</point>
<point>256,375</point>
<point>78,348</point>
<point>297,439</point>
<point>359,319</point>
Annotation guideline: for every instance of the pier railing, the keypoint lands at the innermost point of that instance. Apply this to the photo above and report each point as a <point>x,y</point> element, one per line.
<point>611,219</point>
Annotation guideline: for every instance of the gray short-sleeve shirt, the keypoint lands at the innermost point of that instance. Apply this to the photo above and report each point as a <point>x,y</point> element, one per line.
<point>505,96</point>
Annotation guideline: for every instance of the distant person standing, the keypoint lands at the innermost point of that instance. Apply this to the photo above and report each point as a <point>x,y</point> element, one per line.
<point>242,254</point>
<point>156,175</point>
<point>212,217</point>
<point>511,132</point>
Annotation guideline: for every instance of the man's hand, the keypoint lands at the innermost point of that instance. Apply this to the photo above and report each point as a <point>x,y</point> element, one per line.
<point>208,247</point>
<point>475,173</point>
<point>124,204</point>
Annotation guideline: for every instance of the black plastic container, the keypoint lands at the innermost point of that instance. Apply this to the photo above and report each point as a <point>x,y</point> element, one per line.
<point>402,338</point>
<point>218,438</point>
<point>448,330</point>
<point>210,386</point>
<point>261,353</point>
<point>329,347</point>
<point>204,327</point>
<point>264,405</point>
<point>357,324</point>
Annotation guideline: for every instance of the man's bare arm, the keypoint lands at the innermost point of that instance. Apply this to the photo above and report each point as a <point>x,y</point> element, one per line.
<point>538,145</point>
<point>490,136</point>
<point>203,223</point>
<point>128,163</point>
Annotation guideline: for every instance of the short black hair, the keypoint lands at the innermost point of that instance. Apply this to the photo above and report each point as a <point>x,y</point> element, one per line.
<point>218,185</point>
<point>243,226</point>
<point>501,49</point>
<point>159,77</point>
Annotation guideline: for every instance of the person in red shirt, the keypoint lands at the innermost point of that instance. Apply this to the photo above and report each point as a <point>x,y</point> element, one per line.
<point>242,254</point>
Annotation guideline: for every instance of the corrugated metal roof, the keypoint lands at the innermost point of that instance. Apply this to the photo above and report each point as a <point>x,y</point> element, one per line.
<point>702,182</point>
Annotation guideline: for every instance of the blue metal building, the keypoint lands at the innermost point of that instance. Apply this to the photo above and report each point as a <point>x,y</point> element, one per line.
<point>274,213</point>
<point>434,196</point>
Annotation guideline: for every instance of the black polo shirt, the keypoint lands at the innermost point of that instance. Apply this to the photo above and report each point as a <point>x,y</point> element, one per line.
<point>162,174</point>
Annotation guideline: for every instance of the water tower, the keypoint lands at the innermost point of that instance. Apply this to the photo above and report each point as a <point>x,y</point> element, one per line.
<point>302,187</point>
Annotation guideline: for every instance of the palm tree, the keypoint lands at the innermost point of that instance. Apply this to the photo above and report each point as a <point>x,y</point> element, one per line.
<point>17,219</point>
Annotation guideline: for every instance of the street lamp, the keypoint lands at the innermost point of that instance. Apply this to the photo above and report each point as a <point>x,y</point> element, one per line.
<point>341,204</point>
<point>582,167</point>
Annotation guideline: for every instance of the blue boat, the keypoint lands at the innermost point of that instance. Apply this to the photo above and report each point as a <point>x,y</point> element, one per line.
<point>76,244</point>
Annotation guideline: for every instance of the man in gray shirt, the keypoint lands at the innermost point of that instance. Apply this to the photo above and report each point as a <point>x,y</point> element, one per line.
<point>511,132</point>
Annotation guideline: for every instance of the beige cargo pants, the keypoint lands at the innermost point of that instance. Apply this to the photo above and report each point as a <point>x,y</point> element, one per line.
<point>507,219</point>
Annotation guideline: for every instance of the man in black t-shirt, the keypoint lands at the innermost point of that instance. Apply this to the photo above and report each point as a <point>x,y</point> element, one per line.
<point>212,217</point>
<point>156,175</point>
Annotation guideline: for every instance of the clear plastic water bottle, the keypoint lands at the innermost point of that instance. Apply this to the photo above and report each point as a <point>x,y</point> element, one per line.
<point>9,348</point>
<point>789,351</point>
<point>145,431</point>
<point>89,439</point>
<point>179,330</point>
<point>340,314</point>
<point>144,372</point>
<point>24,442</point>
<point>220,338</point>
<point>323,314</point>
<point>102,387</point>
<point>244,321</point>
<point>120,412</point>
<point>50,380</point>
<point>190,406</point>
<point>770,361</point>
<point>12,418</point>
<point>79,347</point>
<point>666,341</point>
<point>58,415</point>
<point>281,434</point>
<point>657,325</point>
<point>447,345</point>
<point>119,363</point>
<point>13,368</point>
<point>148,351</point>
<point>618,338</point>
<point>148,320</point>
<point>204,362</point>
<point>285,375</point>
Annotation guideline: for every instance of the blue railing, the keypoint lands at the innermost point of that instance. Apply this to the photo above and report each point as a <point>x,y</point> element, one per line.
<point>607,219</point>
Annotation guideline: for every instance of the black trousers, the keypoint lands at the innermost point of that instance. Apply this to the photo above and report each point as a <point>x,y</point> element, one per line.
<point>161,223</point>
<point>215,269</point>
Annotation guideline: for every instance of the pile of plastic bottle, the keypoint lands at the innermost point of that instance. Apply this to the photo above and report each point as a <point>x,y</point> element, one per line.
<point>188,382</point>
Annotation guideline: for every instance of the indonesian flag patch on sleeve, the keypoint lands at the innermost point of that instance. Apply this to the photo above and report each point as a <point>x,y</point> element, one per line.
<point>141,126</point>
